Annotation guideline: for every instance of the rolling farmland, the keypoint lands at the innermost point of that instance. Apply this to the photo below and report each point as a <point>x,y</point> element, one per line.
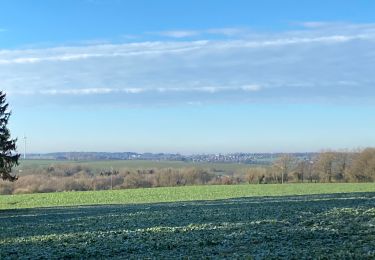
<point>133,164</point>
<point>206,221</point>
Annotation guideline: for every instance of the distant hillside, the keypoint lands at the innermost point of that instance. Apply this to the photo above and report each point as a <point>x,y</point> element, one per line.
<point>248,158</point>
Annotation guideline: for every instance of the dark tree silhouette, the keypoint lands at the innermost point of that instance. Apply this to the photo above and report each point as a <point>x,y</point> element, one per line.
<point>8,155</point>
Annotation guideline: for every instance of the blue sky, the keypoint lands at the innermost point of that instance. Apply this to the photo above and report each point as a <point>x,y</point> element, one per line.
<point>189,76</point>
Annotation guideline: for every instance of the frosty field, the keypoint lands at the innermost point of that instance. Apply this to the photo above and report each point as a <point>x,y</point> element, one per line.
<point>332,225</point>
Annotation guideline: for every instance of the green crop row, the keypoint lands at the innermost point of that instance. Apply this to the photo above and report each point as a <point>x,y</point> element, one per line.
<point>173,194</point>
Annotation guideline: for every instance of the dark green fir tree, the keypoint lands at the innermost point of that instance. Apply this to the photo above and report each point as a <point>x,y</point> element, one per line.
<point>8,155</point>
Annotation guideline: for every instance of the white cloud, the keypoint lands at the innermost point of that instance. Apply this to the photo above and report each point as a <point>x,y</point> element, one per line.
<point>228,31</point>
<point>99,51</point>
<point>178,34</point>
<point>98,91</point>
<point>84,91</point>
<point>157,48</point>
<point>314,24</point>
<point>133,90</point>
<point>251,87</point>
<point>320,63</point>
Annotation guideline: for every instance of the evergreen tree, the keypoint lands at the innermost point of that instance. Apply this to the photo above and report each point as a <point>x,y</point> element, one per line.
<point>8,155</point>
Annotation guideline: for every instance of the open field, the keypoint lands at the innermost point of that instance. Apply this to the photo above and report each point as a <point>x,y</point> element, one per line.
<point>175,194</point>
<point>336,226</point>
<point>133,164</point>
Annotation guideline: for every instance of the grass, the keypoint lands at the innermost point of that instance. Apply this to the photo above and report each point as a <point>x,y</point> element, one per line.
<point>175,194</point>
<point>334,226</point>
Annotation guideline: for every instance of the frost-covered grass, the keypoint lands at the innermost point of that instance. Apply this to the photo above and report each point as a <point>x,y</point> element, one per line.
<point>173,194</point>
<point>338,226</point>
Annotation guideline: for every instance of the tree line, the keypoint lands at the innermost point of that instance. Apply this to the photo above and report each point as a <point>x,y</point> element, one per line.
<point>327,166</point>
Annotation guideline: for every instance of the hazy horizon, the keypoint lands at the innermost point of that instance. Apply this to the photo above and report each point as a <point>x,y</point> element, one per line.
<point>343,149</point>
<point>189,76</point>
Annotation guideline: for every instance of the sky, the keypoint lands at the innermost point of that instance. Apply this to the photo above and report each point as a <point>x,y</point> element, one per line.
<point>189,76</point>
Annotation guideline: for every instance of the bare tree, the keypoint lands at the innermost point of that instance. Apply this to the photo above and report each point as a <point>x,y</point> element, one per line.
<point>363,167</point>
<point>325,164</point>
<point>284,164</point>
<point>342,164</point>
<point>310,168</point>
<point>301,169</point>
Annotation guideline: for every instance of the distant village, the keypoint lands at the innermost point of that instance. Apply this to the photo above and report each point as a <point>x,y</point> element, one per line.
<point>245,158</point>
